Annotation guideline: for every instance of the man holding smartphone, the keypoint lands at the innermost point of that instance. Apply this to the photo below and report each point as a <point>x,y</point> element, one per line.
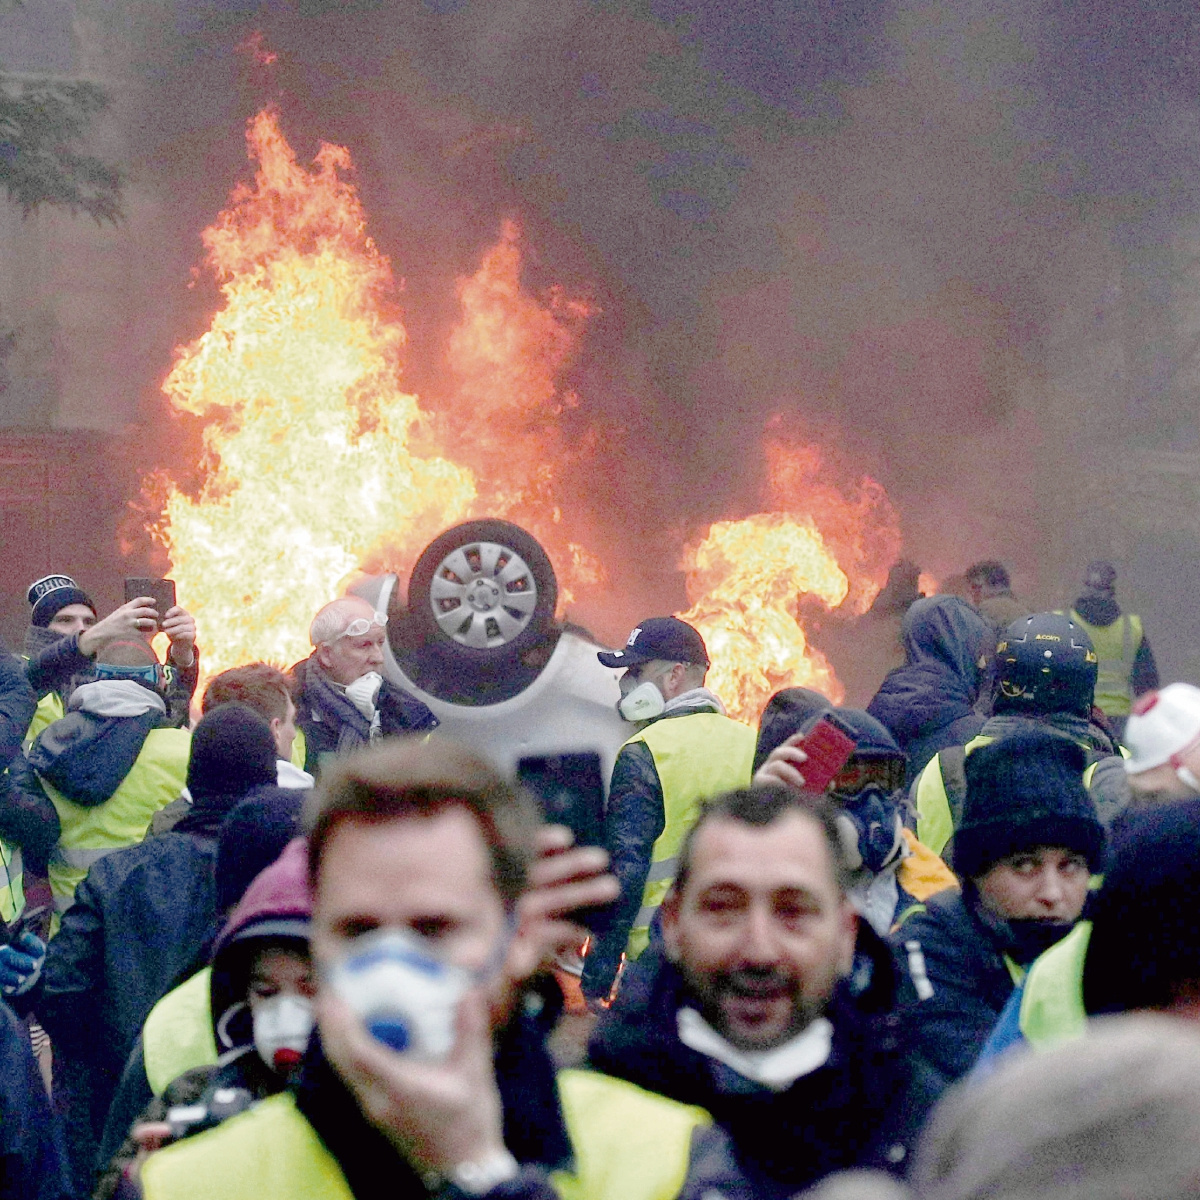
<point>687,749</point>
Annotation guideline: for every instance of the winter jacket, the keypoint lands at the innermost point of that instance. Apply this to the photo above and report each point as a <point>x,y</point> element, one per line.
<point>634,819</point>
<point>33,1165</point>
<point>863,1108</point>
<point>965,962</point>
<point>28,823</point>
<point>929,703</point>
<point>140,921</point>
<point>333,725</point>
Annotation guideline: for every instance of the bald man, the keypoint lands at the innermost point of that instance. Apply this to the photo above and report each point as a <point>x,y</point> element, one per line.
<point>342,700</point>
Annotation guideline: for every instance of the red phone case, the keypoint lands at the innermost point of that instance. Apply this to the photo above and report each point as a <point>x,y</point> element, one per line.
<point>828,750</point>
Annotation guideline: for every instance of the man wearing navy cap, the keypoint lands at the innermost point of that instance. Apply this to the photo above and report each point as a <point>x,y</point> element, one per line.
<point>686,750</point>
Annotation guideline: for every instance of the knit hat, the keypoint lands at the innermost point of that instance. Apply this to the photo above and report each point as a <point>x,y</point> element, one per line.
<point>1026,791</point>
<point>252,837</point>
<point>1162,725</point>
<point>1100,576</point>
<point>787,713</point>
<point>1145,937</point>
<point>52,593</point>
<point>233,752</point>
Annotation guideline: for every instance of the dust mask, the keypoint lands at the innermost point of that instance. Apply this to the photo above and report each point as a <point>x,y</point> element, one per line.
<point>644,703</point>
<point>282,1024</point>
<point>364,692</point>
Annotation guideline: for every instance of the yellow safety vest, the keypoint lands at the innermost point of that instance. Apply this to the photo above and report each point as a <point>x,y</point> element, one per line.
<point>49,709</point>
<point>178,1033</point>
<point>1116,647</point>
<point>1052,1004</point>
<point>697,756</point>
<point>88,834</point>
<point>628,1145</point>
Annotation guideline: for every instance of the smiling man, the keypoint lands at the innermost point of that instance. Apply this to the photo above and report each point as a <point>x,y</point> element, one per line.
<point>772,1007</point>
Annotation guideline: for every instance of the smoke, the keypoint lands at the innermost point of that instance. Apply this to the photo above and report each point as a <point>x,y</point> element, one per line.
<point>949,241</point>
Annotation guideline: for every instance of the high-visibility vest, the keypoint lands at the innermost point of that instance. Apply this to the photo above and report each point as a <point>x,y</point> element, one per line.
<point>49,709</point>
<point>1116,647</point>
<point>628,1144</point>
<point>88,834</point>
<point>697,756</point>
<point>938,800</point>
<point>12,878</point>
<point>1052,1004</point>
<point>178,1033</point>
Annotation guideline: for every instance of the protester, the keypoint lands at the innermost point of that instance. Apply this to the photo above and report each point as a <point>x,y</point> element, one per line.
<point>29,825</point>
<point>893,871</point>
<point>1028,841</point>
<point>261,989</point>
<point>64,637</point>
<point>1139,949</point>
<point>1127,668</point>
<point>989,588</point>
<point>1163,738</point>
<point>788,712</point>
<point>930,702</point>
<point>342,701</point>
<point>760,1010</point>
<point>1045,678</point>
<point>33,1165</point>
<point>686,749</point>
<point>420,852</point>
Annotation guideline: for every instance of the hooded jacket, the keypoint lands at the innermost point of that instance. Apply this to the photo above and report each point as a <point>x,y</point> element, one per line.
<point>863,1108</point>
<point>929,703</point>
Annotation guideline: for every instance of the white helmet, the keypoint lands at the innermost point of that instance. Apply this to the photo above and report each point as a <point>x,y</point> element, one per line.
<point>1161,727</point>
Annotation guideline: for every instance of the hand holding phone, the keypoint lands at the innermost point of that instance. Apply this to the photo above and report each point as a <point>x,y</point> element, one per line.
<point>809,760</point>
<point>161,591</point>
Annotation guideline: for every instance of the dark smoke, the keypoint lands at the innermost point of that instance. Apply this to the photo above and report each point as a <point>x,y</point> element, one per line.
<point>956,242</point>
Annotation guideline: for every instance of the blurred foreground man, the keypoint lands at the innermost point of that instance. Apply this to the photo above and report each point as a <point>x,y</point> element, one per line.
<point>686,749</point>
<point>775,1009</point>
<point>342,701</point>
<point>422,936</point>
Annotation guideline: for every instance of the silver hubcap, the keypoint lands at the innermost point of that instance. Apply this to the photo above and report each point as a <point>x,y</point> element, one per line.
<point>483,595</point>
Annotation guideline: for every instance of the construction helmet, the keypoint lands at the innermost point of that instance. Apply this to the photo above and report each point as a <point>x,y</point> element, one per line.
<point>1045,664</point>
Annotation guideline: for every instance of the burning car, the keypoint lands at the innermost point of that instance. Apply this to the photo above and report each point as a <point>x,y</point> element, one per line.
<point>476,639</point>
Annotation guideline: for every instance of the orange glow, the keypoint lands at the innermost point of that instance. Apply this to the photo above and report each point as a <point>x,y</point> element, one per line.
<point>750,582</point>
<point>309,467</point>
<point>927,585</point>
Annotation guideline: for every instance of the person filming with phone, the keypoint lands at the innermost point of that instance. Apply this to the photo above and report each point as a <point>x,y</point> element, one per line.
<point>427,1073</point>
<point>686,749</point>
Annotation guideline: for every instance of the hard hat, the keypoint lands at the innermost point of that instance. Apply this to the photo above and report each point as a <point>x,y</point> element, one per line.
<point>1162,725</point>
<point>1045,664</point>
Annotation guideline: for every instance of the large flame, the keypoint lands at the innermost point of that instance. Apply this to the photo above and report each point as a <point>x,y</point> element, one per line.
<point>751,581</point>
<point>309,470</point>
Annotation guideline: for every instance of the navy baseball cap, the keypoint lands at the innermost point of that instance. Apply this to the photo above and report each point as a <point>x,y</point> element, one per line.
<point>666,638</point>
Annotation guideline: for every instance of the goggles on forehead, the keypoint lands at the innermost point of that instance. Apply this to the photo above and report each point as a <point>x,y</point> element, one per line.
<point>360,626</point>
<point>861,773</point>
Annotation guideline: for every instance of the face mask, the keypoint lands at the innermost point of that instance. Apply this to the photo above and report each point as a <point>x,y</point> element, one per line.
<point>644,703</point>
<point>282,1024</point>
<point>1031,938</point>
<point>364,691</point>
<point>407,996</point>
<point>869,821</point>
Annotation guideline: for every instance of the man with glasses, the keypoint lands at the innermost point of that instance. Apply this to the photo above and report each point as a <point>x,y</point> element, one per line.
<point>687,749</point>
<point>342,700</point>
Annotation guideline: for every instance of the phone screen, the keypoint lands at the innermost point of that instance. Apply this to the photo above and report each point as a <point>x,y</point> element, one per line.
<point>163,591</point>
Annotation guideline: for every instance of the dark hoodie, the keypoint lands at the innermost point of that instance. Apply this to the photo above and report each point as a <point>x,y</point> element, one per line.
<point>862,1109</point>
<point>929,703</point>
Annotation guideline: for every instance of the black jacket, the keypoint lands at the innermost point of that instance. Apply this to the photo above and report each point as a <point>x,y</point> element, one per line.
<point>27,818</point>
<point>140,924</point>
<point>32,1163</point>
<point>332,724</point>
<point>863,1108</point>
<point>964,961</point>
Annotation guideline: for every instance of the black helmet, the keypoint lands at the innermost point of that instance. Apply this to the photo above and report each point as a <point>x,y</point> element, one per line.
<point>1045,664</point>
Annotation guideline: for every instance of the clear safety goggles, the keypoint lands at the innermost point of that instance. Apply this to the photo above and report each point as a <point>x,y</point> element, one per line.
<point>861,773</point>
<point>150,674</point>
<point>360,626</point>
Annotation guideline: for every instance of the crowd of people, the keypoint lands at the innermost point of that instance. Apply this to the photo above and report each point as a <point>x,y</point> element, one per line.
<point>288,939</point>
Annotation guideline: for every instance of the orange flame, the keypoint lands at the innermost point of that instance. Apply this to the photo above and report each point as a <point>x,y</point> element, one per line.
<point>750,581</point>
<point>309,470</point>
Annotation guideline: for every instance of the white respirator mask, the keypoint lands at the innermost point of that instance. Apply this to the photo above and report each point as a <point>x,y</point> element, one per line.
<point>644,703</point>
<point>1187,777</point>
<point>282,1025</point>
<point>363,693</point>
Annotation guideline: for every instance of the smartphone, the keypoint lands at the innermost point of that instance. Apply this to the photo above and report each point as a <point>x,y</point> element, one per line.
<point>829,745</point>
<point>163,591</point>
<point>570,789</point>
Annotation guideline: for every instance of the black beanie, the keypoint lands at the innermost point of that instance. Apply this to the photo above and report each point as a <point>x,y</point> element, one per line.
<point>252,837</point>
<point>233,752</point>
<point>51,594</point>
<point>786,714</point>
<point>1145,939</point>
<point>1022,792</point>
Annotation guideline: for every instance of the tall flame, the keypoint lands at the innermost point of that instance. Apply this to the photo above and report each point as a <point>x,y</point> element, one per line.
<point>751,582</point>
<point>309,468</point>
